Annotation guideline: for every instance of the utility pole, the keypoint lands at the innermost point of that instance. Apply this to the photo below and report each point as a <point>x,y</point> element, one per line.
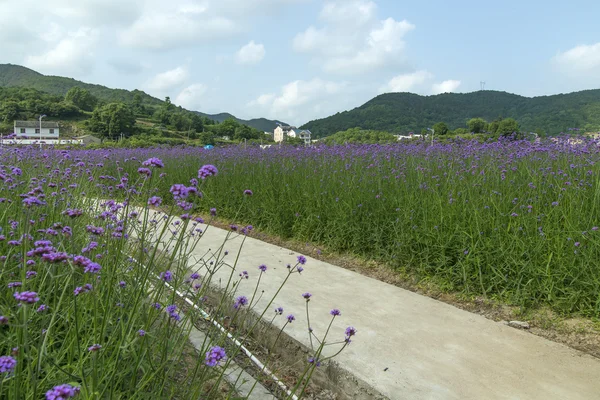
<point>432,133</point>
<point>41,116</point>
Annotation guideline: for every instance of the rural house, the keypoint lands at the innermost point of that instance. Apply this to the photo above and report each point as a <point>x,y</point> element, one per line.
<point>291,131</point>
<point>31,129</point>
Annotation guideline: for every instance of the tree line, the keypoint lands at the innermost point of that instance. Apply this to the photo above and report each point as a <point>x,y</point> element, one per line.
<point>112,120</point>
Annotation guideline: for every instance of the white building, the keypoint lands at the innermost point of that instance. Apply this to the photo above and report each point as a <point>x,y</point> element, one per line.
<point>291,131</point>
<point>32,130</point>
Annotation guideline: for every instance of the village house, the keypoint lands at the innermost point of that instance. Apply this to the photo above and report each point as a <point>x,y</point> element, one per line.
<point>31,129</point>
<point>282,131</point>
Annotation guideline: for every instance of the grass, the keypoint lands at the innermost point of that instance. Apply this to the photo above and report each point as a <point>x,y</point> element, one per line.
<point>83,307</point>
<point>514,221</point>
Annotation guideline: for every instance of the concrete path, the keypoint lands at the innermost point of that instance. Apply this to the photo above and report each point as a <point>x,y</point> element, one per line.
<point>410,346</point>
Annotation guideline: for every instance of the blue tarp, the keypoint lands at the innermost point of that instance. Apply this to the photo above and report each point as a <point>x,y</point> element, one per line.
<point>208,147</point>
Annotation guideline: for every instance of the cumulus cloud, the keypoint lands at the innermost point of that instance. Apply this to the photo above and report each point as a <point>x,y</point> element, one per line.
<point>73,53</point>
<point>251,53</point>
<point>168,80</point>
<point>407,82</point>
<point>582,58</point>
<point>448,86</point>
<point>300,99</point>
<point>192,96</point>
<point>166,28</point>
<point>352,40</point>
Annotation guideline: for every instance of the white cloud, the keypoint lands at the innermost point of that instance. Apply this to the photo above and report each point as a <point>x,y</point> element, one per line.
<point>580,58</point>
<point>301,100</point>
<point>191,97</point>
<point>168,80</point>
<point>94,11</point>
<point>263,100</point>
<point>72,53</point>
<point>448,86</point>
<point>251,53</point>
<point>356,12</point>
<point>352,40</point>
<point>169,28</point>
<point>406,82</point>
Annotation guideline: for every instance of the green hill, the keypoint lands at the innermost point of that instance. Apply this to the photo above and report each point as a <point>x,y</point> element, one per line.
<point>406,112</point>
<point>18,76</point>
<point>263,124</point>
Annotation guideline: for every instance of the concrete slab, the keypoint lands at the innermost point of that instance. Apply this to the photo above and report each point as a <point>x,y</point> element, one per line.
<point>410,346</point>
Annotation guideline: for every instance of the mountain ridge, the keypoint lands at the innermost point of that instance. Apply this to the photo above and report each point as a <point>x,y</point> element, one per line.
<point>12,75</point>
<point>404,112</point>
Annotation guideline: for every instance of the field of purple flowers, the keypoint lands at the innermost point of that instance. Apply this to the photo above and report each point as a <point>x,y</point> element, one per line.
<point>513,220</point>
<point>89,271</point>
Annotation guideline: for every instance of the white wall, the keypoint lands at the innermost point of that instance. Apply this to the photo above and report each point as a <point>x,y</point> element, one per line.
<point>30,132</point>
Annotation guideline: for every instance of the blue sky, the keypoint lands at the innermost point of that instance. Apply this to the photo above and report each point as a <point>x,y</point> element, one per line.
<point>297,60</point>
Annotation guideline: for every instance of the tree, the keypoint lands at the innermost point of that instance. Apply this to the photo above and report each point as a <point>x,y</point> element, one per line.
<point>227,128</point>
<point>440,128</point>
<point>477,125</point>
<point>81,98</point>
<point>207,138</point>
<point>507,126</point>
<point>112,119</point>
<point>137,104</point>
<point>461,131</point>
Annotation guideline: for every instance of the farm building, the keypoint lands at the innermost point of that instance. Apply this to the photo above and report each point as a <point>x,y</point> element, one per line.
<point>32,129</point>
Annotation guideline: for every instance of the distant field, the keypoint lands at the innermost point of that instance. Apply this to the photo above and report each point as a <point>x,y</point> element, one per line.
<point>511,220</point>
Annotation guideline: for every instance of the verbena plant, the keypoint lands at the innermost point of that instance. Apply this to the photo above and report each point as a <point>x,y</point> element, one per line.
<point>513,220</point>
<point>90,273</point>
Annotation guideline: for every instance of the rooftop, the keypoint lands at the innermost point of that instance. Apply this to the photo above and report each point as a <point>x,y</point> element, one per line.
<point>36,124</point>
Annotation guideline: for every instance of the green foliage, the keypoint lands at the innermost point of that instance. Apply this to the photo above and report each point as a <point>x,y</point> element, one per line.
<point>477,125</point>
<point>406,112</point>
<point>25,103</point>
<point>81,98</point>
<point>141,103</point>
<point>440,129</point>
<point>111,120</point>
<point>463,214</point>
<point>207,138</point>
<point>358,135</point>
<point>507,127</point>
<point>461,131</point>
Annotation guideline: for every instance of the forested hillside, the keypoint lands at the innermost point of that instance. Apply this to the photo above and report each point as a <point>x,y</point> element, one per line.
<point>18,76</point>
<point>406,112</point>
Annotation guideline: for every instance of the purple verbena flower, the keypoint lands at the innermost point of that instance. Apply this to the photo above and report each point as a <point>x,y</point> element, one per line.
<point>155,201</point>
<point>166,276</point>
<point>94,347</point>
<point>62,392</point>
<point>335,312</point>
<point>207,170</point>
<point>240,302</point>
<point>153,162</point>
<point>7,364</point>
<point>144,171</point>
<point>179,191</point>
<point>26,297</point>
<point>214,356</point>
